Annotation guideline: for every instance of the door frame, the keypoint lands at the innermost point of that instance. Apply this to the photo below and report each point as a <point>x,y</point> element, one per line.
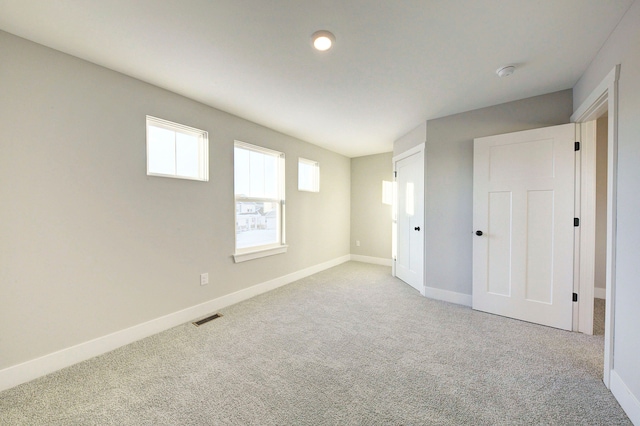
<point>605,98</point>
<point>585,235</point>
<point>394,219</point>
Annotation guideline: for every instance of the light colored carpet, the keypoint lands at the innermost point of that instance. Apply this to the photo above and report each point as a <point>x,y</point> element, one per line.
<point>598,316</point>
<point>348,346</point>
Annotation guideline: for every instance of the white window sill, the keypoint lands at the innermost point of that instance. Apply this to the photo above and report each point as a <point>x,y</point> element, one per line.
<point>243,257</point>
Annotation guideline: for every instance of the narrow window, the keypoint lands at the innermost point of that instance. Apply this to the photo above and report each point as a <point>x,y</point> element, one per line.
<point>176,151</point>
<point>308,175</point>
<point>387,192</point>
<point>259,199</point>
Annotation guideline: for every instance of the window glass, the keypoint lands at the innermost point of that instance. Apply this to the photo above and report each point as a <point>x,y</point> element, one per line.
<point>308,175</point>
<point>177,151</point>
<point>162,152</point>
<point>259,193</point>
<point>187,155</point>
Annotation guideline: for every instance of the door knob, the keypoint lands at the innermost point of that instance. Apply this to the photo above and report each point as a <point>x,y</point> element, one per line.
<point>478,233</point>
<point>417,228</point>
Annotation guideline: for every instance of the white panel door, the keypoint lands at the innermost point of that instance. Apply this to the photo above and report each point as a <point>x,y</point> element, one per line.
<point>523,210</point>
<point>410,218</point>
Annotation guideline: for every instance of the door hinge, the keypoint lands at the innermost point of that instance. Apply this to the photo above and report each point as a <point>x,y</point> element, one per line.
<point>576,221</point>
<point>395,174</point>
<point>575,297</point>
<point>577,146</point>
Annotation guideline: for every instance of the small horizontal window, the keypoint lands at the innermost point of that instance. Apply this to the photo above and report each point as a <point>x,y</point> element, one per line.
<point>176,151</point>
<point>308,175</point>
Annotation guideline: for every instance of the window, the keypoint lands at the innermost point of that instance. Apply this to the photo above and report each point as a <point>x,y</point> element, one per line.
<point>176,151</point>
<point>387,192</point>
<point>308,175</point>
<point>259,196</point>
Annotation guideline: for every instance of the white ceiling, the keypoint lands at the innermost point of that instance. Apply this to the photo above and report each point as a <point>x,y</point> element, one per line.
<point>395,64</point>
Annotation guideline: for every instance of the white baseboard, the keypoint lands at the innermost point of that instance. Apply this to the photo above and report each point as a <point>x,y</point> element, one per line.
<point>448,296</point>
<point>370,259</point>
<point>21,373</point>
<point>627,400</point>
<point>600,293</point>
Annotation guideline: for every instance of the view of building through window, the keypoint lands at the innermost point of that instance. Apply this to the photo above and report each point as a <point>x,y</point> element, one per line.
<point>256,224</point>
<point>259,193</point>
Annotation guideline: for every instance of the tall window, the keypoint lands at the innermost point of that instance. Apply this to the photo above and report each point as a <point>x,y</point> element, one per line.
<point>387,192</point>
<point>259,194</point>
<point>308,175</point>
<point>176,151</point>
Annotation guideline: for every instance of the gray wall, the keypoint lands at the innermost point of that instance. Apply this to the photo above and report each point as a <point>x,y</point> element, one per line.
<point>449,179</point>
<point>370,219</point>
<point>413,138</point>
<point>622,48</point>
<point>89,244</point>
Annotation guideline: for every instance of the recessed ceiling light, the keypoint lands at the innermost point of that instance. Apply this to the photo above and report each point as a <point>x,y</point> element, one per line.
<point>323,40</point>
<point>505,71</point>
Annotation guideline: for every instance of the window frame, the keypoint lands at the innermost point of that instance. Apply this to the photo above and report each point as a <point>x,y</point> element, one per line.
<point>203,147</point>
<point>258,251</point>
<point>315,178</point>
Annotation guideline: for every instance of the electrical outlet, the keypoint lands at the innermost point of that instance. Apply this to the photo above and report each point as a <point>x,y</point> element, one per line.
<point>357,243</point>
<point>204,278</point>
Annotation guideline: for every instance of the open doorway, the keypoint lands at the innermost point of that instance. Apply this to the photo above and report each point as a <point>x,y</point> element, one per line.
<point>600,252</point>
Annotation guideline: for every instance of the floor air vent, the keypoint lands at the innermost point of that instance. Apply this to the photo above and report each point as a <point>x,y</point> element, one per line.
<point>206,320</point>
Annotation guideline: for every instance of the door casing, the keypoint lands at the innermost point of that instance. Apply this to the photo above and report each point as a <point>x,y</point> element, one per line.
<point>605,98</point>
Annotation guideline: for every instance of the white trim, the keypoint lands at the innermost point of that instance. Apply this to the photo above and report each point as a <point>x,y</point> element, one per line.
<point>315,172</point>
<point>587,229</point>
<point>257,148</point>
<point>577,194</point>
<point>373,260</point>
<point>589,110</point>
<point>408,153</point>
<point>448,296</point>
<point>243,257</point>
<point>600,293</point>
<point>278,247</point>
<point>625,397</point>
<point>612,215</point>
<point>21,373</point>
<point>592,107</point>
<point>394,219</point>
<point>203,148</point>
